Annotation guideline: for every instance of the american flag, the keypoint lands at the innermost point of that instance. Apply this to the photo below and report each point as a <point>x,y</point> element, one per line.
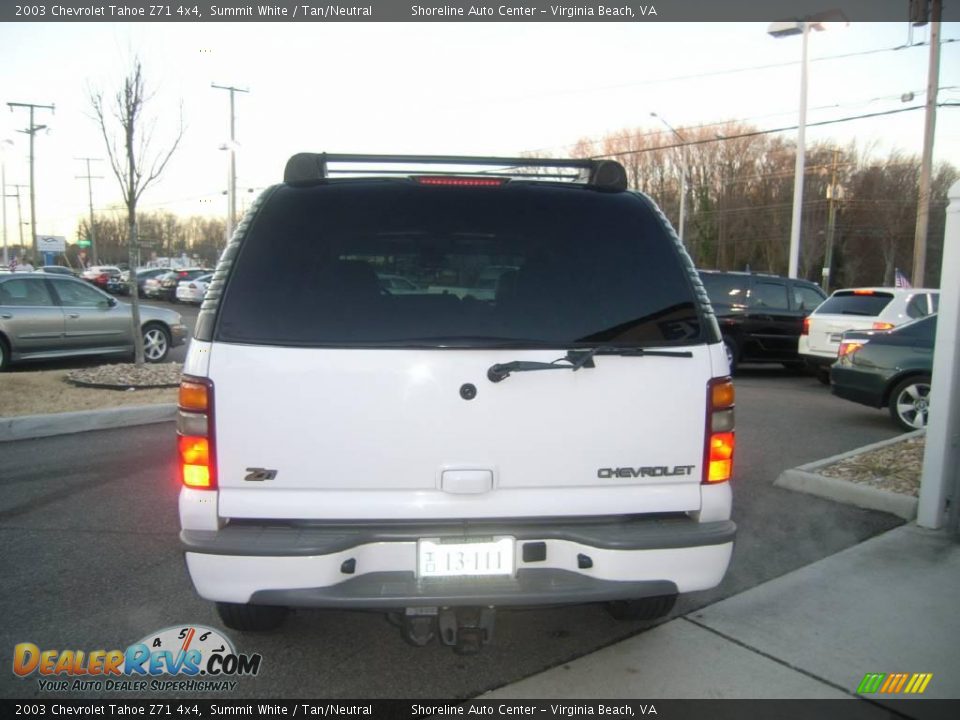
<point>900,280</point>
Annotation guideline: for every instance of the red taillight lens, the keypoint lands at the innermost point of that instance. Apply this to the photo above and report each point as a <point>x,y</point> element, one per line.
<point>720,439</point>
<point>195,442</point>
<point>805,330</point>
<point>848,347</point>
<point>883,326</point>
<point>456,181</point>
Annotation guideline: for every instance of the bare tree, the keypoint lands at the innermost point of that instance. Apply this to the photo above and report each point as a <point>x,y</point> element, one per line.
<point>134,163</point>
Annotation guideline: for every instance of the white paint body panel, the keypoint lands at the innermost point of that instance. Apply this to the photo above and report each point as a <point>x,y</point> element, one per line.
<point>232,578</point>
<point>357,433</point>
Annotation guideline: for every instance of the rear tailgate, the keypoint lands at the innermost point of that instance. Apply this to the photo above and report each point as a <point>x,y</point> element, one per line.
<point>826,331</point>
<point>379,434</point>
<point>844,310</point>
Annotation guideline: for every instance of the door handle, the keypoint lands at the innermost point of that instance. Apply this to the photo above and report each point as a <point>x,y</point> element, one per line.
<point>74,315</point>
<point>7,316</point>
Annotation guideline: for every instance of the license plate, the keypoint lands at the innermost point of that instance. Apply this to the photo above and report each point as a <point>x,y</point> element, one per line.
<point>836,337</point>
<point>459,558</point>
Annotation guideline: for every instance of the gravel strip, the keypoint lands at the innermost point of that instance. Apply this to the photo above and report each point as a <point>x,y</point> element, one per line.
<point>896,467</point>
<point>125,376</point>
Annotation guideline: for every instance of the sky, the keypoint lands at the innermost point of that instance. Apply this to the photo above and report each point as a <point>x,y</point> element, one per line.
<point>435,88</point>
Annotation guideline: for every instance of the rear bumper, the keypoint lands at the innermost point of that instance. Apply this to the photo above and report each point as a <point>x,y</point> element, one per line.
<point>575,563</point>
<point>857,386</point>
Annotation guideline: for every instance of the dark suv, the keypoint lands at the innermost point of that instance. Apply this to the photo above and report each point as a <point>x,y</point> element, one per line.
<point>761,316</point>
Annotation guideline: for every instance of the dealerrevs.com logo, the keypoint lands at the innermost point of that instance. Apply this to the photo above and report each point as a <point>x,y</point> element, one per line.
<point>201,658</point>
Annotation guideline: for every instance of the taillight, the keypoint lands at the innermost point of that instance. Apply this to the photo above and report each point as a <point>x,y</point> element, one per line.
<point>195,434</point>
<point>805,330</point>
<point>720,439</point>
<point>849,347</point>
<point>883,326</point>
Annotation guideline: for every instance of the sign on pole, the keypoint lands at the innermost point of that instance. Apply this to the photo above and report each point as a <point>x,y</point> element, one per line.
<point>51,243</point>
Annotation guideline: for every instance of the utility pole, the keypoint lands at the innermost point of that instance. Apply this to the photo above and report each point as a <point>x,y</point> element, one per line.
<point>19,212</point>
<point>32,131</point>
<point>929,128</point>
<point>3,184</point>
<point>232,176</point>
<point>89,177</point>
<point>834,192</point>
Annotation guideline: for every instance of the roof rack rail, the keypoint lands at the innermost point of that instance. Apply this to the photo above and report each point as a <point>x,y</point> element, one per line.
<point>305,168</point>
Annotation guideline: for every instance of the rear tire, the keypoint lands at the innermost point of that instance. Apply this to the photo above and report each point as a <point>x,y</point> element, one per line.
<point>4,354</point>
<point>823,374</point>
<point>649,608</point>
<point>910,402</point>
<point>730,346</point>
<point>251,618</point>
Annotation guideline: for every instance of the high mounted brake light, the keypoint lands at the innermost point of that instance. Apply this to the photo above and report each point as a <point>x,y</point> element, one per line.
<point>719,438</point>
<point>195,445</point>
<point>864,292</point>
<point>454,181</point>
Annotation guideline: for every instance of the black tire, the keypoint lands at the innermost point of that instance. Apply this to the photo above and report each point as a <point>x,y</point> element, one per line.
<point>910,402</point>
<point>4,353</point>
<point>823,374</point>
<point>251,618</point>
<point>796,366</point>
<point>649,608</point>
<point>156,342</point>
<point>730,346</point>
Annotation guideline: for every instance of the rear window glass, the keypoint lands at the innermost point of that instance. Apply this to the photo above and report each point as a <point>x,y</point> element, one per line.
<point>851,303</point>
<point>725,289</point>
<point>391,263</point>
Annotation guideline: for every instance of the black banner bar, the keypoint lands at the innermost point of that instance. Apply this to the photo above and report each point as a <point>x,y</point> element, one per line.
<point>454,11</point>
<point>165,707</point>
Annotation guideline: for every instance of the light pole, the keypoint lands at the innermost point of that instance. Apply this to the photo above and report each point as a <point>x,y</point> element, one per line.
<point>32,131</point>
<point>683,171</point>
<point>232,170</point>
<point>786,28</point>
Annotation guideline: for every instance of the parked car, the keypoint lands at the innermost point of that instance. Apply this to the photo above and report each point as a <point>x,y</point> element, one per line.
<point>403,453</point>
<point>101,275</point>
<point>48,316</point>
<point>164,286</point>
<point>57,270</point>
<point>889,368</point>
<point>397,284</point>
<point>121,285</point>
<point>192,291</point>
<point>760,315</point>
<point>867,308</point>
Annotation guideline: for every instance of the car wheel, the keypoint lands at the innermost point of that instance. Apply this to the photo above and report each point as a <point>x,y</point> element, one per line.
<point>156,342</point>
<point>649,608</point>
<point>910,402</point>
<point>253,618</point>
<point>4,354</point>
<point>823,374</point>
<point>731,349</point>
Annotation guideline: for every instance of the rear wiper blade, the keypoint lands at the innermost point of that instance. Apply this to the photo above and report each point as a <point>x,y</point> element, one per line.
<point>576,359</point>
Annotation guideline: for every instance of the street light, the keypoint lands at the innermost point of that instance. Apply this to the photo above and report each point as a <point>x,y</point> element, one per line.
<point>786,28</point>
<point>683,170</point>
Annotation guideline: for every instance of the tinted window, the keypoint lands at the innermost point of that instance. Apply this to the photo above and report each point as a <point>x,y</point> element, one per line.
<point>768,294</point>
<point>725,289</point>
<point>806,297</point>
<point>510,265</point>
<point>25,293</point>
<point>847,302</point>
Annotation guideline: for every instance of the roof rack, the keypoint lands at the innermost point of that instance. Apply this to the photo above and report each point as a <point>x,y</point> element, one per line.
<point>307,168</point>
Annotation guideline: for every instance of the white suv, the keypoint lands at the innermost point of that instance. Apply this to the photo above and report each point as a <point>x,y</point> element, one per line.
<point>870,308</point>
<point>343,446</point>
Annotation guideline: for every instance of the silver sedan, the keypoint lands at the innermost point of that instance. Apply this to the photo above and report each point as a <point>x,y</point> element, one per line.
<point>47,316</point>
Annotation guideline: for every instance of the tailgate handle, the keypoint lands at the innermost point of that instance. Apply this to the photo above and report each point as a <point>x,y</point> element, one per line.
<point>466,482</point>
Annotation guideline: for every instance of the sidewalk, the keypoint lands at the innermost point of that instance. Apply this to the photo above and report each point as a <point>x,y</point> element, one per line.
<point>889,605</point>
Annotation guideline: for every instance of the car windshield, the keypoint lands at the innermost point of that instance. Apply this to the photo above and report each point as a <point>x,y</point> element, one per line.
<point>513,265</point>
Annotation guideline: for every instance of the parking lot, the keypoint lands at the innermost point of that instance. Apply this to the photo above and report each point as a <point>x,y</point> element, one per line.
<point>89,526</point>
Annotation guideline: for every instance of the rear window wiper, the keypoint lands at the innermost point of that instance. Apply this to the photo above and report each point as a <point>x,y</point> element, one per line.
<point>576,359</point>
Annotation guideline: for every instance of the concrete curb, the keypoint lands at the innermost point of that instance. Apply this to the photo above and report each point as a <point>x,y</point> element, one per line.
<point>806,479</point>
<point>28,427</point>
